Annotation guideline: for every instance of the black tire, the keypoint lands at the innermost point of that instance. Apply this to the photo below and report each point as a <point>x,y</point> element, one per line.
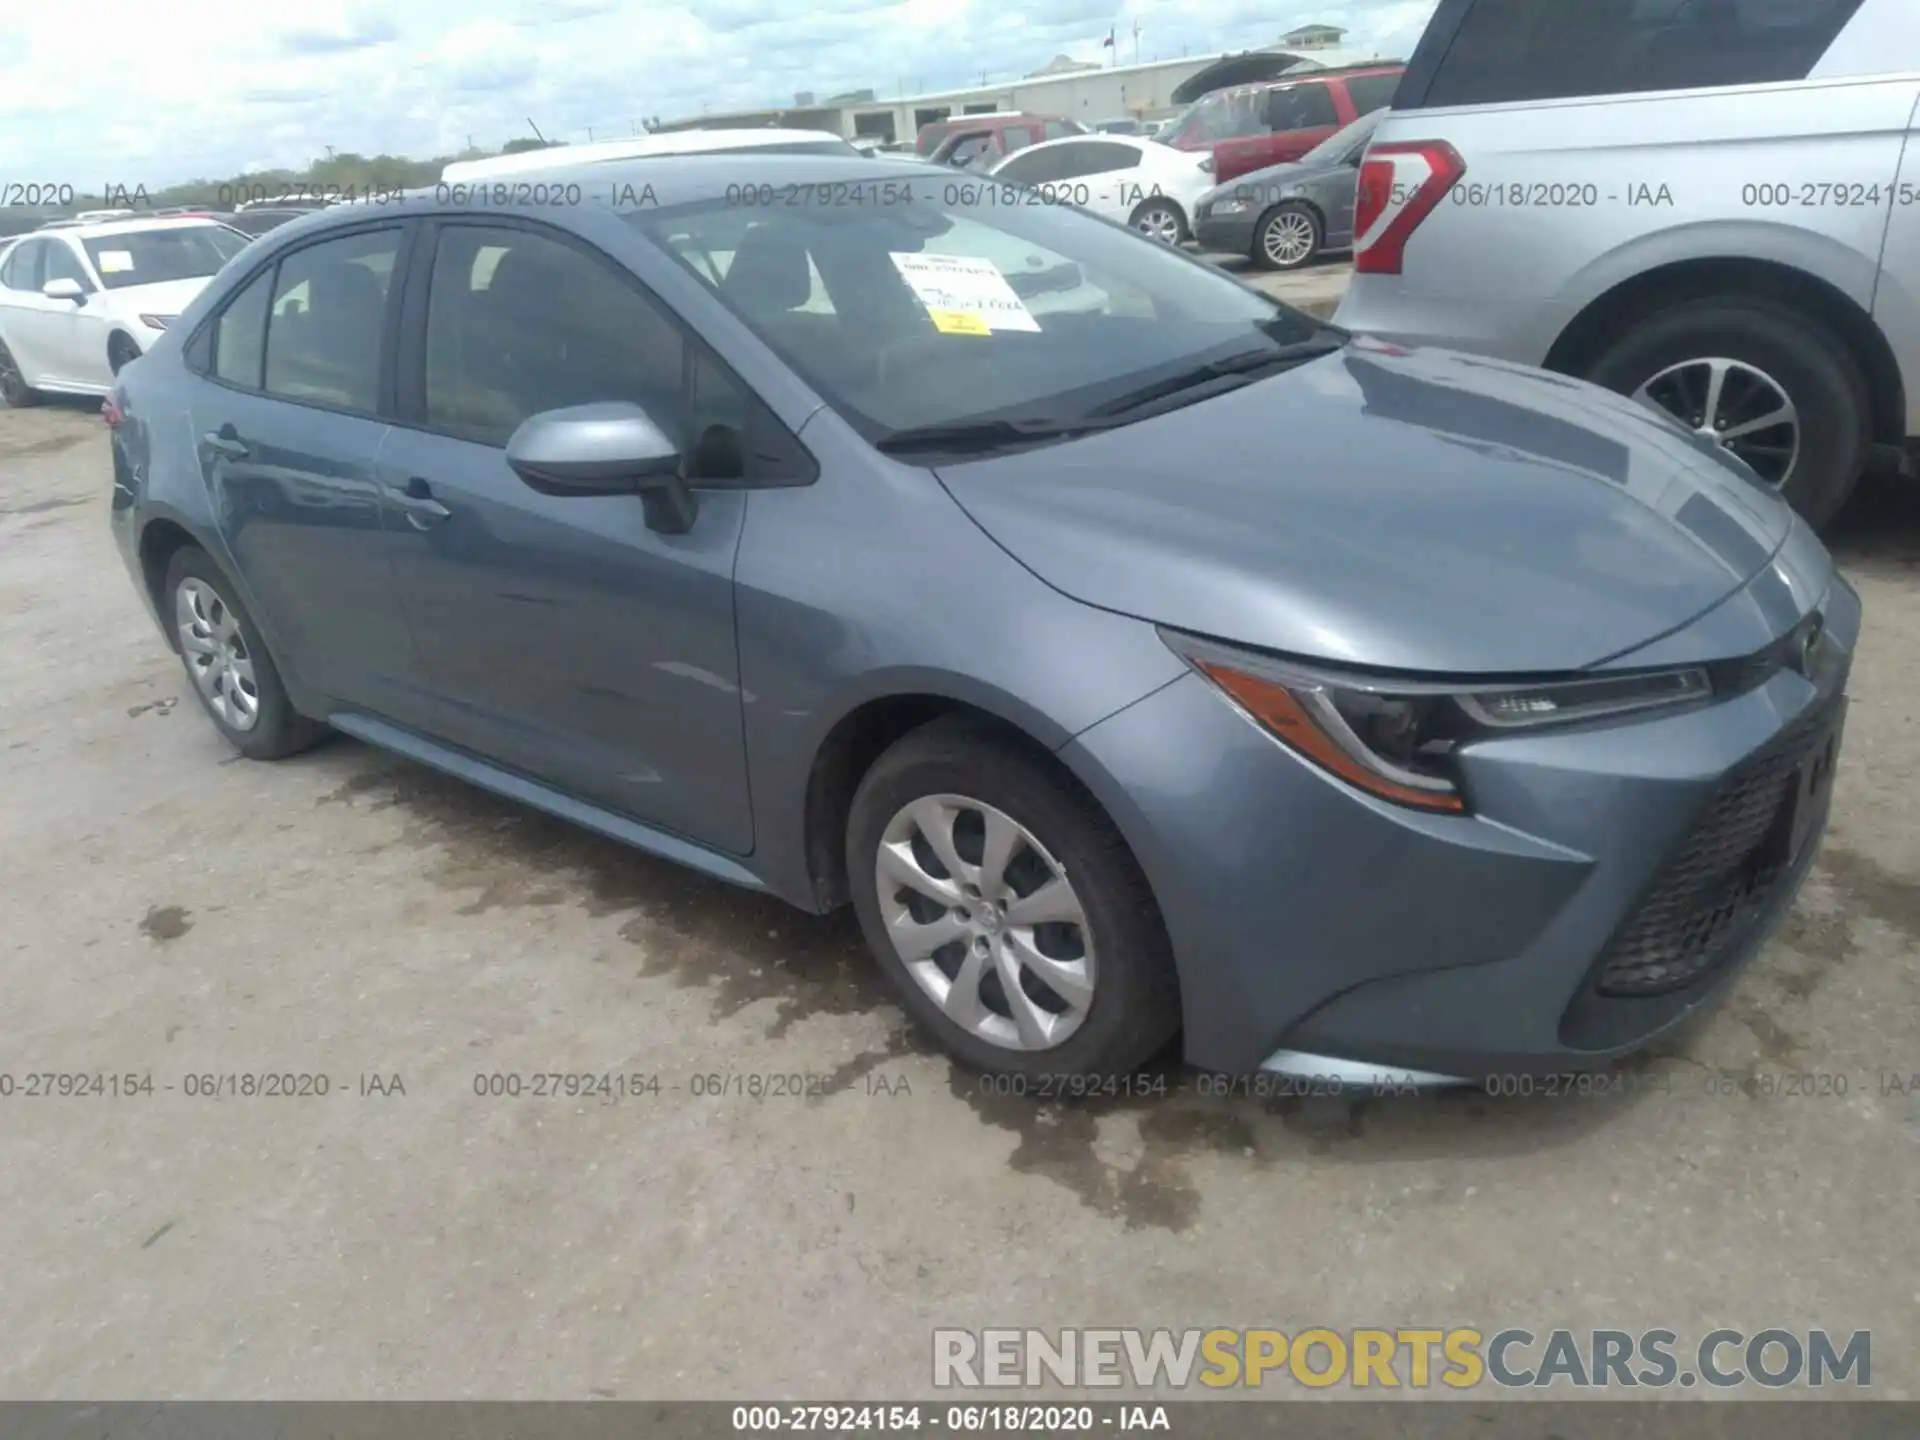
<point>1135,1007</point>
<point>1160,207</point>
<point>1810,362</point>
<point>120,350</point>
<point>13,385</point>
<point>278,730</point>
<point>1259,253</point>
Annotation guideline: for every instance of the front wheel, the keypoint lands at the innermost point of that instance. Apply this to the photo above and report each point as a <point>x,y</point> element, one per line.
<point>1007,910</point>
<point>1160,220</point>
<point>227,663</point>
<point>1774,386</point>
<point>1287,237</point>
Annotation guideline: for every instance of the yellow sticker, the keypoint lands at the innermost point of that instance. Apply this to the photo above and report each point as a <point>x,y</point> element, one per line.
<point>958,322</point>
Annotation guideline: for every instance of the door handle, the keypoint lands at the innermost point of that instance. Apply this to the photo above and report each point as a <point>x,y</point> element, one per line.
<point>225,441</point>
<point>416,502</point>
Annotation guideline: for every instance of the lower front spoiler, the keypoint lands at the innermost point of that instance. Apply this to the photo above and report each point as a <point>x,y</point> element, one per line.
<point>1319,1073</point>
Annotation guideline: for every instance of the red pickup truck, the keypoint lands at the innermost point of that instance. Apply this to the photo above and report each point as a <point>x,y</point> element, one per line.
<point>1248,127</point>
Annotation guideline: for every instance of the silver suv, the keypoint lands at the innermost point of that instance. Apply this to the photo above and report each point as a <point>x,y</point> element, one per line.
<point>1711,205</point>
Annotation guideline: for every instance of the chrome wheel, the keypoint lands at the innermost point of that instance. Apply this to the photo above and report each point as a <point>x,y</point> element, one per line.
<point>1158,222</point>
<point>986,922</point>
<point>1288,239</point>
<point>1737,404</point>
<point>216,653</point>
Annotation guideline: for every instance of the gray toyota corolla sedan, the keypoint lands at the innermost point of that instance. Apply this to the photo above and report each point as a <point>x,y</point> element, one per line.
<point>1135,654</point>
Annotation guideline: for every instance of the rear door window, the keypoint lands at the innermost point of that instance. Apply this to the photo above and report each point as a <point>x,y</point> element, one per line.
<point>1371,92</point>
<point>1511,50</point>
<point>326,319</point>
<point>1300,107</point>
<point>1035,167</point>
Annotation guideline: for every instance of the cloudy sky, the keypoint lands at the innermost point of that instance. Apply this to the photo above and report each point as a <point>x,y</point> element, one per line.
<point>211,87</point>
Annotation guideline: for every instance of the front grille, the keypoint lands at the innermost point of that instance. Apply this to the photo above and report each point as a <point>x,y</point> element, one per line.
<point>1720,876</point>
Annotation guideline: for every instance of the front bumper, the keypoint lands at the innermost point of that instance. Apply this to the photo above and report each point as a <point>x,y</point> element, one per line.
<point>1316,927</point>
<point>1226,234</point>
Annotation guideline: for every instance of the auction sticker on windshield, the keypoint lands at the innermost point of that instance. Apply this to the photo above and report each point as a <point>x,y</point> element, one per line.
<point>115,262</point>
<point>957,289</point>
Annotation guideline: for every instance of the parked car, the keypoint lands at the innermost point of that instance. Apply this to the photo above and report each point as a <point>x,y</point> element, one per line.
<point>1493,728</point>
<point>1713,209</point>
<point>979,141</point>
<point>78,303</point>
<point>1120,125</point>
<point>257,220</point>
<point>1141,183</point>
<point>1249,127</point>
<point>1287,216</point>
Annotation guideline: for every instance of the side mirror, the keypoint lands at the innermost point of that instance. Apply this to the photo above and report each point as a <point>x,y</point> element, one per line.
<point>63,289</point>
<point>610,448</point>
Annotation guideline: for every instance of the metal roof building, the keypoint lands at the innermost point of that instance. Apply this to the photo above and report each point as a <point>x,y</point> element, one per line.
<point>1085,94</point>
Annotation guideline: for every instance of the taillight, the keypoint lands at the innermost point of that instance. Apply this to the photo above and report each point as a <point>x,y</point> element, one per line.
<point>111,412</point>
<point>1399,185</point>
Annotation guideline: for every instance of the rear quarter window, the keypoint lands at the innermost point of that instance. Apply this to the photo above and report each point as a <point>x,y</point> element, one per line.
<point>1478,52</point>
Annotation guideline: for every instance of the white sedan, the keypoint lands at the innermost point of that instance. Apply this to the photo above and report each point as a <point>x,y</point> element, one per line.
<point>1128,178</point>
<point>79,301</point>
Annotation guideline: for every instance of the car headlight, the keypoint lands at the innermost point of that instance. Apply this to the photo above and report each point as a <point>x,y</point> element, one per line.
<point>1396,738</point>
<point>1227,205</point>
<point>158,322</point>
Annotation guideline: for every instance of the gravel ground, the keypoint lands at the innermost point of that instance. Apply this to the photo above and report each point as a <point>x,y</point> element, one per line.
<point>176,912</point>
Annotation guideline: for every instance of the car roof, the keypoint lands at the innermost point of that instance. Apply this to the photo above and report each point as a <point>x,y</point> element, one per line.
<point>694,178</point>
<point>677,142</point>
<point>1302,77</point>
<point>102,229</point>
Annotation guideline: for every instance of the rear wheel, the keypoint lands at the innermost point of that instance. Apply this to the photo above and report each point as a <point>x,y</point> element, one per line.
<point>13,385</point>
<point>1287,237</point>
<point>228,665</point>
<point>120,350</point>
<point>1773,385</point>
<point>1160,220</point>
<point>1007,910</point>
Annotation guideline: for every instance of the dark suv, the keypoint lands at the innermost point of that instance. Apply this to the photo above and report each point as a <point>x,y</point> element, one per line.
<point>1249,127</point>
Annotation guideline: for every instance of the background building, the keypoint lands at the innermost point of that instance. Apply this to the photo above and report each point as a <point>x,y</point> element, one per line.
<point>1072,89</point>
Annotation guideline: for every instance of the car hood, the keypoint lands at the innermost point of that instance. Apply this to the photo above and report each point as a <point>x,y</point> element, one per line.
<point>1411,510</point>
<point>163,297</point>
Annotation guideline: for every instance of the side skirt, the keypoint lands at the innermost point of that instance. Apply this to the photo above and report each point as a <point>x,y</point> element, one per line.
<point>476,771</point>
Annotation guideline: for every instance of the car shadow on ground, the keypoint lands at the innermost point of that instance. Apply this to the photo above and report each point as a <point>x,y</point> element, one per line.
<point>1139,1150</point>
<point>1879,528</point>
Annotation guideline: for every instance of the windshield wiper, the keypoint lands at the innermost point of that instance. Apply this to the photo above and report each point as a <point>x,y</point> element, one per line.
<point>974,435</point>
<point>1240,369</point>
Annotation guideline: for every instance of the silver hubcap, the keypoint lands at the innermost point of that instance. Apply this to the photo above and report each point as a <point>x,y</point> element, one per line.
<point>216,653</point>
<point>1738,405</point>
<point>1160,223</point>
<point>1288,238</point>
<point>986,922</point>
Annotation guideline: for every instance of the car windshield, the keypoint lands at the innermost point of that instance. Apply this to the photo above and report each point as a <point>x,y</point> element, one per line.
<point>1227,115</point>
<point>963,303</point>
<point>176,252</point>
<point>1336,145</point>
